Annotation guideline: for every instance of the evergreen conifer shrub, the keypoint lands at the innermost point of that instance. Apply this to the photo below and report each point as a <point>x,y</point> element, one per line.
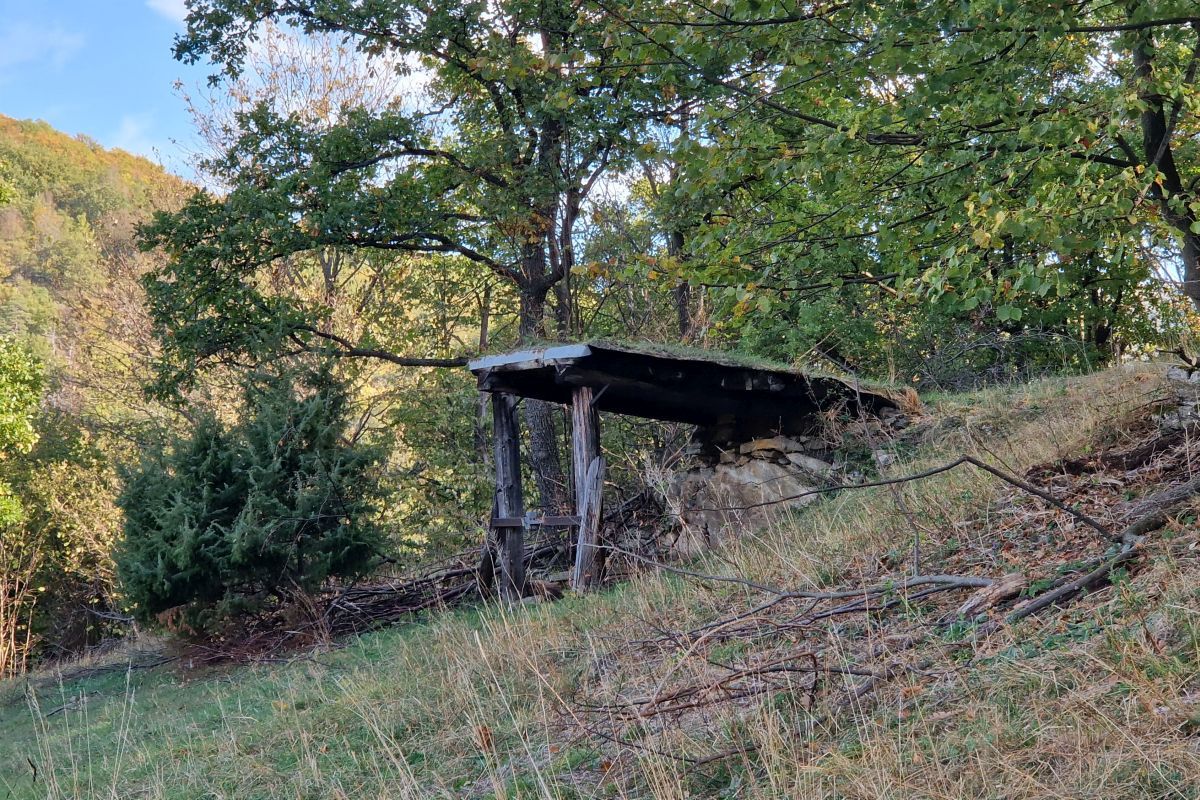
<point>234,516</point>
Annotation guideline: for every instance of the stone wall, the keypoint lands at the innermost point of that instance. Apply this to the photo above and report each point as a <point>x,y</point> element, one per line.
<point>726,491</point>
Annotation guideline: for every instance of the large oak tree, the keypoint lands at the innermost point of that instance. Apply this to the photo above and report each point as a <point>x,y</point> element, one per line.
<point>526,110</point>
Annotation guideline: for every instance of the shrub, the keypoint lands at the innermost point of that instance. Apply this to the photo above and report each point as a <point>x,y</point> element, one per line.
<point>233,516</point>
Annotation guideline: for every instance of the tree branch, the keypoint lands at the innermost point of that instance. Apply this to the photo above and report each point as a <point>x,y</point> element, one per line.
<point>349,349</point>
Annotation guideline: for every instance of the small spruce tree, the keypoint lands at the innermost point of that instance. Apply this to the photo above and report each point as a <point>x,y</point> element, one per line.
<point>233,516</point>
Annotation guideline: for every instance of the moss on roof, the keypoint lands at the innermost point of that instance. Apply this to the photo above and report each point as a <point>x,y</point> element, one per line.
<point>728,358</point>
<point>733,358</point>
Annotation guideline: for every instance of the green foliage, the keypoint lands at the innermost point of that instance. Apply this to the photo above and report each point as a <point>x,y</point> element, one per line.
<point>21,383</point>
<point>57,520</point>
<point>232,515</point>
<point>1028,167</point>
<point>440,481</point>
<point>67,486</point>
<point>7,193</point>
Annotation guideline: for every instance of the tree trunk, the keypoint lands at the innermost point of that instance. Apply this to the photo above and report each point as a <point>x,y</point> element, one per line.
<point>683,290</point>
<point>539,416</point>
<point>1191,267</point>
<point>1157,130</point>
<point>543,456</point>
<point>562,306</point>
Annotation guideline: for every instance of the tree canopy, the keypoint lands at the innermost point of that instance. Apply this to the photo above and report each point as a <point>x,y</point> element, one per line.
<point>981,154</point>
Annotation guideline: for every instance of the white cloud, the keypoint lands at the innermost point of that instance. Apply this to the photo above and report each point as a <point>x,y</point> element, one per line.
<point>22,43</point>
<point>133,135</point>
<point>174,10</point>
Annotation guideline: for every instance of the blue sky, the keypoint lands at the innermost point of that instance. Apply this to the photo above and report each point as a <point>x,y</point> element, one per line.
<point>102,68</point>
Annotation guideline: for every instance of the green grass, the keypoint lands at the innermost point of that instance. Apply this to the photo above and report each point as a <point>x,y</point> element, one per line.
<point>355,717</point>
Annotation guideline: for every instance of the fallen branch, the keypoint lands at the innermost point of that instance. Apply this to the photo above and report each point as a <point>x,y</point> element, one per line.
<point>949,581</point>
<point>1153,512</point>
<point>929,473</point>
<point>1132,459</point>
<point>1098,575</point>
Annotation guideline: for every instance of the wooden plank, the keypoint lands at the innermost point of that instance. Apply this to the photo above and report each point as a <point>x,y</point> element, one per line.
<point>556,521</point>
<point>531,359</point>
<point>585,461</point>
<point>509,500</point>
<point>586,571</point>
<point>550,521</point>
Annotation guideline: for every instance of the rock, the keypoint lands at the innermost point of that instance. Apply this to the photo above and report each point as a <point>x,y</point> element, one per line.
<point>759,481</point>
<point>781,444</point>
<point>1182,417</point>
<point>814,466</point>
<point>714,503</point>
<point>883,458</point>
<point>727,457</point>
<point>1177,373</point>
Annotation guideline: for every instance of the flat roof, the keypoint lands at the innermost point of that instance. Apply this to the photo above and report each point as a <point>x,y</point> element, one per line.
<point>689,386</point>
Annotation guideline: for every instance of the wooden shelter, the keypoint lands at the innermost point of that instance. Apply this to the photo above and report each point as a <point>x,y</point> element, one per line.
<point>710,390</point>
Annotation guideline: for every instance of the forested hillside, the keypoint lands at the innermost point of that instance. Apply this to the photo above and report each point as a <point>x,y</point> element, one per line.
<point>77,342</point>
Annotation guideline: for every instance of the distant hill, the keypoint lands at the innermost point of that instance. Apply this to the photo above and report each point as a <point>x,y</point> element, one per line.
<point>69,261</point>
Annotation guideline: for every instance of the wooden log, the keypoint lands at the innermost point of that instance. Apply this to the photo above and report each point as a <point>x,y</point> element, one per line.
<point>509,500</point>
<point>528,521</point>
<point>586,562</point>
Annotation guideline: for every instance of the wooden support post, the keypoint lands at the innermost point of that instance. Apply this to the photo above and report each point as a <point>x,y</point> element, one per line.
<point>585,438</point>
<point>587,564</point>
<point>589,482</point>
<point>509,500</point>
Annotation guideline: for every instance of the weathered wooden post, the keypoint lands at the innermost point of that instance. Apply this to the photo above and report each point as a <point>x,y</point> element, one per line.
<point>510,504</point>
<point>585,436</point>
<point>589,482</point>
<point>587,561</point>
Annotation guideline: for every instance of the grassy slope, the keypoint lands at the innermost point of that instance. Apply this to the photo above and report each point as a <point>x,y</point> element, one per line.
<point>1100,699</point>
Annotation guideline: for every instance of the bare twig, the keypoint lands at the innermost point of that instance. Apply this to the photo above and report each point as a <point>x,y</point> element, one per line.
<point>895,586</point>
<point>1049,598</point>
<point>929,473</point>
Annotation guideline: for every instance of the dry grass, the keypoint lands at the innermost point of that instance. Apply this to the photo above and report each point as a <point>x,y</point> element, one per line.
<point>1099,699</point>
